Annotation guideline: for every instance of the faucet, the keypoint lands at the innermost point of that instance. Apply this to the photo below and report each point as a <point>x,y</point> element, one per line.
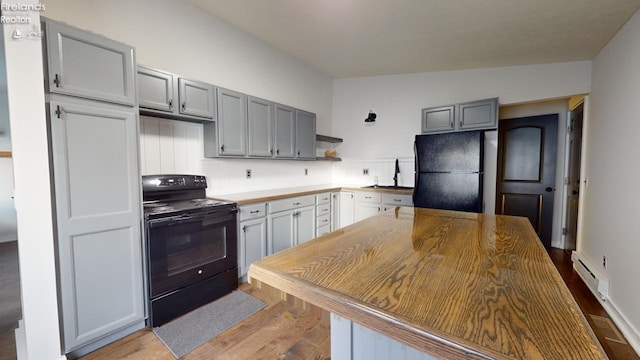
<point>395,174</point>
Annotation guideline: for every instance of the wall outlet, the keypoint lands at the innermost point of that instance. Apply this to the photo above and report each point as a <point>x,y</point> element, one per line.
<point>365,171</point>
<point>604,261</point>
<point>306,171</point>
<point>248,173</point>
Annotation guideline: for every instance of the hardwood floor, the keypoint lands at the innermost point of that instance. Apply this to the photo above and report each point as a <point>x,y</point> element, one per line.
<point>282,330</point>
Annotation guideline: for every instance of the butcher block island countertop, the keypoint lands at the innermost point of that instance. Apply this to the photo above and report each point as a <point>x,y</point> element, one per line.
<point>451,284</point>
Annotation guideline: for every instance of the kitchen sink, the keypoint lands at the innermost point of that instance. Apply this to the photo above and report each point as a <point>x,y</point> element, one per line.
<point>388,187</point>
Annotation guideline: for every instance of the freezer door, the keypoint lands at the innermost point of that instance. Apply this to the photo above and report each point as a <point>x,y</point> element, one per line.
<point>447,191</point>
<point>460,151</point>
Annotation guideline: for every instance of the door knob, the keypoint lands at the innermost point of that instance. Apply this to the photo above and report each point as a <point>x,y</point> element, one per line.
<point>548,189</point>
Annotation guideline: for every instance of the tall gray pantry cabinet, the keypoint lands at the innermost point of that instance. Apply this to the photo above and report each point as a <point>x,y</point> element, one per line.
<point>94,148</point>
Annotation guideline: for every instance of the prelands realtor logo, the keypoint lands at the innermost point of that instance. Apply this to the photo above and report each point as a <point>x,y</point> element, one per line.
<point>18,14</point>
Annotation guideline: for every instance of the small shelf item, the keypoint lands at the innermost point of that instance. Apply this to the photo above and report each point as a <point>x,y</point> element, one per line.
<point>4,154</point>
<point>329,153</point>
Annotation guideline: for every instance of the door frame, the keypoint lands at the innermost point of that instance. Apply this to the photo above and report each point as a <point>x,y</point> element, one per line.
<point>542,107</point>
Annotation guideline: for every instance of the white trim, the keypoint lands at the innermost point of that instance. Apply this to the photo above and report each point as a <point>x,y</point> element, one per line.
<point>631,334</point>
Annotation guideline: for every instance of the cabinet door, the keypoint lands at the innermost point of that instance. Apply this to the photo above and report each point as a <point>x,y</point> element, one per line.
<point>253,243</point>
<point>366,209</point>
<point>155,89</point>
<point>347,208</point>
<point>482,114</point>
<point>305,135</point>
<point>285,120</point>
<point>259,127</point>
<point>97,182</point>
<point>335,211</point>
<point>305,224</point>
<point>231,123</point>
<point>281,231</point>
<point>196,98</point>
<point>90,66</point>
<point>438,119</point>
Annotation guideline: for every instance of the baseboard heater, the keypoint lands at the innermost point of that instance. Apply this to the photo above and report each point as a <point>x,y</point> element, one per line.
<point>595,281</point>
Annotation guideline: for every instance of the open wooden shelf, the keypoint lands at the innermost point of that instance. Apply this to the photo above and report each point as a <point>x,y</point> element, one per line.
<point>329,139</point>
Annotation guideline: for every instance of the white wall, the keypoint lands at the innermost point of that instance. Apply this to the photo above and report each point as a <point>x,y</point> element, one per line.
<point>398,100</point>
<point>25,87</point>
<point>560,107</point>
<point>610,203</point>
<point>175,36</point>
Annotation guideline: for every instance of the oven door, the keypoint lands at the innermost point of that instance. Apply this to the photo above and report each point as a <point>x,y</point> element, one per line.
<point>187,249</point>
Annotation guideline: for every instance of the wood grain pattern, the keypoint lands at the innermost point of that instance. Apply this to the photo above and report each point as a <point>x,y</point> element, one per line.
<point>455,285</point>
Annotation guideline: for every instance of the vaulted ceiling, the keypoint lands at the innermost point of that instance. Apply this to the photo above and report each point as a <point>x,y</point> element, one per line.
<point>350,38</point>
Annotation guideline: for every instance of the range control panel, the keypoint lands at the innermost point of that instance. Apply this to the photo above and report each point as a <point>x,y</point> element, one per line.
<point>177,182</point>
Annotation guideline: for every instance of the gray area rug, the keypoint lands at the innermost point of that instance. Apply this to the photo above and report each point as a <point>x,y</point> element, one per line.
<point>193,329</point>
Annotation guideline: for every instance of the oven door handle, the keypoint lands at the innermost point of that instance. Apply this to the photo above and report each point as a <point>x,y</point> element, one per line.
<point>184,218</point>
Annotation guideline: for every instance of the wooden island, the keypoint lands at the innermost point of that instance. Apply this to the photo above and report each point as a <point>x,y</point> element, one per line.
<point>452,285</point>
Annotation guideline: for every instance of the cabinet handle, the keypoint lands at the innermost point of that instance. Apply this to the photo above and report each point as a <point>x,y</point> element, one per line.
<point>184,105</point>
<point>58,111</point>
<point>325,220</point>
<point>254,212</point>
<point>296,203</point>
<point>460,123</point>
<point>295,214</point>
<point>378,208</point>
<point>298,152</point>
<point>170,104</point>
<point>367,197</point>
<point>397,200</point>
<point>451,123</point>
<point>244,228</point>
<point>56,80</point>
<point>277,151</point>
<point>271,151</point>
<point>352,196</point>
<point>222,148</point>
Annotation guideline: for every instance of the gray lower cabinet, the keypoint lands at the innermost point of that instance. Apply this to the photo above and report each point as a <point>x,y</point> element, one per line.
<point>253,236</point>
<point>347,209</point>
<point>164,94</point>
<point>97,202</point>
<point>232,119</point>
<point>474,115</point>
<point>291,221</point>
<point>305,135</point>
<point>284,131</point>
<point>259,127</point>
<point>89,66</point>
<point>367,204</point>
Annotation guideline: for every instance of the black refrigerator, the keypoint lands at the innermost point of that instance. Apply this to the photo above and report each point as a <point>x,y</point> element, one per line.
<point>449,170</point>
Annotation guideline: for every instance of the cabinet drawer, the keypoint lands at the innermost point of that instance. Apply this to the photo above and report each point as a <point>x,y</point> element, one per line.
<point>323,198</point>
<point>397,200</point>
<point>324,209</point>
<point>324,220</point>
<point>291,203</point>
<point>323,230</point>
<point>253,211</point>
<point>368,197</point>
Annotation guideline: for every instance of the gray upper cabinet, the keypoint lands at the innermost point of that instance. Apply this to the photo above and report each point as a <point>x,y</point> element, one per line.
<point>259,127</point>
<point>90,66</point>
<point>94,146</point>
<point>438,119</point>
<point>285,131</point>
<point>155,89</point>
<point>481,114</point>
<point>232,119</point>
<point>305,135</point>
<point>196,98</point>
<point>164,94</point>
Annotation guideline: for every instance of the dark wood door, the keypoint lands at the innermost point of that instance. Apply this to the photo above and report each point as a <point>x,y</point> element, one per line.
<point>527,149</point>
